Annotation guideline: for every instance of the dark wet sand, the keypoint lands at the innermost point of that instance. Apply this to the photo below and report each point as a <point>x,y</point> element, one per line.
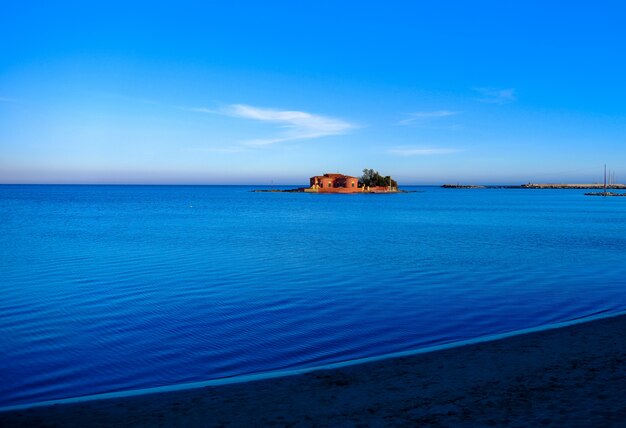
<point>567,377</point>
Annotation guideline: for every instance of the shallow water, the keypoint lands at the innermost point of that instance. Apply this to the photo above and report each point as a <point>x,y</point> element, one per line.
<point>108,288</point>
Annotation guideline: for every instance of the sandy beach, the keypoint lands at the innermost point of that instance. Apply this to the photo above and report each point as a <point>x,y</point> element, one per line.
<point>572,376</point>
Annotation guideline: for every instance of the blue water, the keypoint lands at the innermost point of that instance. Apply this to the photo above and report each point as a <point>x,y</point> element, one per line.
<point>109,288</point>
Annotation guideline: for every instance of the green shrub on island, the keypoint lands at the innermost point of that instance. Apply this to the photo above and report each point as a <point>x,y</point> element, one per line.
<point>371,178</point>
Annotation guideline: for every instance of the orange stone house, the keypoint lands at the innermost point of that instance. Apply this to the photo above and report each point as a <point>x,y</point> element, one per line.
<point>335,183</point>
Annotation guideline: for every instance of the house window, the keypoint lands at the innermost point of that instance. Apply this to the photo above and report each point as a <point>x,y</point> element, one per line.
<point>353,184</point>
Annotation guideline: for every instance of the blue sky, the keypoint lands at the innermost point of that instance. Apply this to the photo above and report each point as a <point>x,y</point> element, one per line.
<point>261,92</point>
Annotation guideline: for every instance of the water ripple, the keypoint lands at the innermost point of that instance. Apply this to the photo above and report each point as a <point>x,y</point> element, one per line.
<point>124,287</point>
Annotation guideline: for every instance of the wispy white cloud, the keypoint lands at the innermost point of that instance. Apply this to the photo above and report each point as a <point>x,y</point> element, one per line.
<point>421,118</point>
<point>422,151</point>
<point>496,95</point>
<point>297,125</point>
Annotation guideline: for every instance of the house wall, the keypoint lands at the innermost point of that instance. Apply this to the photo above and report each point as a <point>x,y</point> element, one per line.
<point>335,183</point>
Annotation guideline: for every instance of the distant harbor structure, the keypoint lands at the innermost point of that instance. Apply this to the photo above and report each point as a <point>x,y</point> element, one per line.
<point>611,185</point>
<point>602,187</point>
<point>572,186</point>
<point>538,186</point>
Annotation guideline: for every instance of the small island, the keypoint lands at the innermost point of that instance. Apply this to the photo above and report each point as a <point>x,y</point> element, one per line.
<point>370,182</point>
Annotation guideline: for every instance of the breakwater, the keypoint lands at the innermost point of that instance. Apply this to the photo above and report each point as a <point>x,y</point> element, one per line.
<point>536,186</point>
<point>604,194</point>
<point>572,186</point>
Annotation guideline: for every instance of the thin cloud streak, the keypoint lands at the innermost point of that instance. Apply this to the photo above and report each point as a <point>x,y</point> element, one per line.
<point>496,96</point>
<point>422,117</point>
<point>298,124</point>
<point>422,151</point>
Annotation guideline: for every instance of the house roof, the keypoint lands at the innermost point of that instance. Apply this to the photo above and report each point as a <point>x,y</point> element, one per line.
<point>334,176</point>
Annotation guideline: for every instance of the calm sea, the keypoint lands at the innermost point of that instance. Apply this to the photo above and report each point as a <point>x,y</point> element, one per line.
<point>109,288</point>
